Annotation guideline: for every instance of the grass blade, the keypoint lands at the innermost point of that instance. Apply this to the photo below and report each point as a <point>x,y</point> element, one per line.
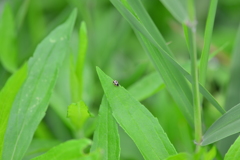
<point>175,82</point>
<point>207,42</point>
<point>7,95</point>
<point>106,135</point>
<point>177,9</point>
<point>32,100</point>
<point>226,125</point>
<point>233,152</point>
<point>137,121</point>
<point>169,62</point>
<point>72,149</point>
<point>8,50</point>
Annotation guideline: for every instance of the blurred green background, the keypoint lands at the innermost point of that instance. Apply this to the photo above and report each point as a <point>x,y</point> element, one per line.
<point>114,47</point>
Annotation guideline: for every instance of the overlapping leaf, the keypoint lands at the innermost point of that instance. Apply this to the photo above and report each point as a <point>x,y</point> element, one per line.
<point>137,121</point>
<point>32,99</point>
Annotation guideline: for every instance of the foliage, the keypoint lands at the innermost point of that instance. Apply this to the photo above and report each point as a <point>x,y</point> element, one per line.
<point>176,94</point>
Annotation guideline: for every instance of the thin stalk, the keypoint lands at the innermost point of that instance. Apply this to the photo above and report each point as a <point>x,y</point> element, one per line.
<point>190,30</point>
<point>196,96</point>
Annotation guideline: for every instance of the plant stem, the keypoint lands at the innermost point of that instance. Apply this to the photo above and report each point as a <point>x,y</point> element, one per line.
<point>196,96</point>
<point>194,72</point>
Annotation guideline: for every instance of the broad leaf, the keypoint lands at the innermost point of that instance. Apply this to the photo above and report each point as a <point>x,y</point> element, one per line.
<point>137,121</point>
<point>31,102</point>
<point>234,151</point>
<point>72,149</point>
<point>7,96</point>
<point>106,135</point>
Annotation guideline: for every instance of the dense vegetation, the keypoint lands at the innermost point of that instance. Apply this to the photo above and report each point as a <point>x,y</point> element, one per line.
<point>175,66</point>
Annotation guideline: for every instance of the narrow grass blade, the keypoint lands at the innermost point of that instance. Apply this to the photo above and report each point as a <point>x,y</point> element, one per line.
<point>78,114</point>
<point>234,151</point>
<point>8,50</point>
<point>234,85</point>
<point>72,149</point>
<point>160,55</point>
<point>83,44</point>
<point>31,102</point>
<point>7,96</point>
<point>142,15</point>
<point>106,135</point>
<point>174,80</point>
<point>146,86</point>
<point>177,9</point>
<point>226,125</point>
<point>137,121</point>
<point>207,42</point>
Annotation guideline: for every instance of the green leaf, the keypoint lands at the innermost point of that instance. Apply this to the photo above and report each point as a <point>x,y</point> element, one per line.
<point>234,151</point>
<point>106,135</point>
<point>31,102</point>
<point>177,8</point>
<point>180,156</point>
<point>8,51</point>
<point>78,114</point>
<point>76,71</point>
<point>137,121</point>
<point>174,80</point>
<point>39,146</point>
<point>233,91</point>
<point>166,65</point>
<point>226,125</point>
<point>207,42</point>
<point>83,44</point>
<point>69,150</point>
<point>146,87</point>
<point>7,96</point>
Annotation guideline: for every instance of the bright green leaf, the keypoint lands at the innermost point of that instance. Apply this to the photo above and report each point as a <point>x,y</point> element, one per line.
<point>234,151</point>
<point>180,156</point>
<point>7,96</point>
<point>226,125</point>
<point>31,102</point>
<point>106,135</point>
<point>137,121</point>
<point>69,150</point>
<point>8,52</point>
<point>39,146</point>
<point>78,114</point>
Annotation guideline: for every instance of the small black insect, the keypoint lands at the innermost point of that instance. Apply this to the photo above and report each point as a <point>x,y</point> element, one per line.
<point>115,82</point>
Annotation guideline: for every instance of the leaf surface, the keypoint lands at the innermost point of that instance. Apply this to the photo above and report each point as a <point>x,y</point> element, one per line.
<point>106,135</point>
<point>31,102</point>
<point>137,121</point>
<point>228,124</point>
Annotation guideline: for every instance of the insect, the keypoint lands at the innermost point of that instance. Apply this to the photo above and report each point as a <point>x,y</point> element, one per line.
<point>115,82</point>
